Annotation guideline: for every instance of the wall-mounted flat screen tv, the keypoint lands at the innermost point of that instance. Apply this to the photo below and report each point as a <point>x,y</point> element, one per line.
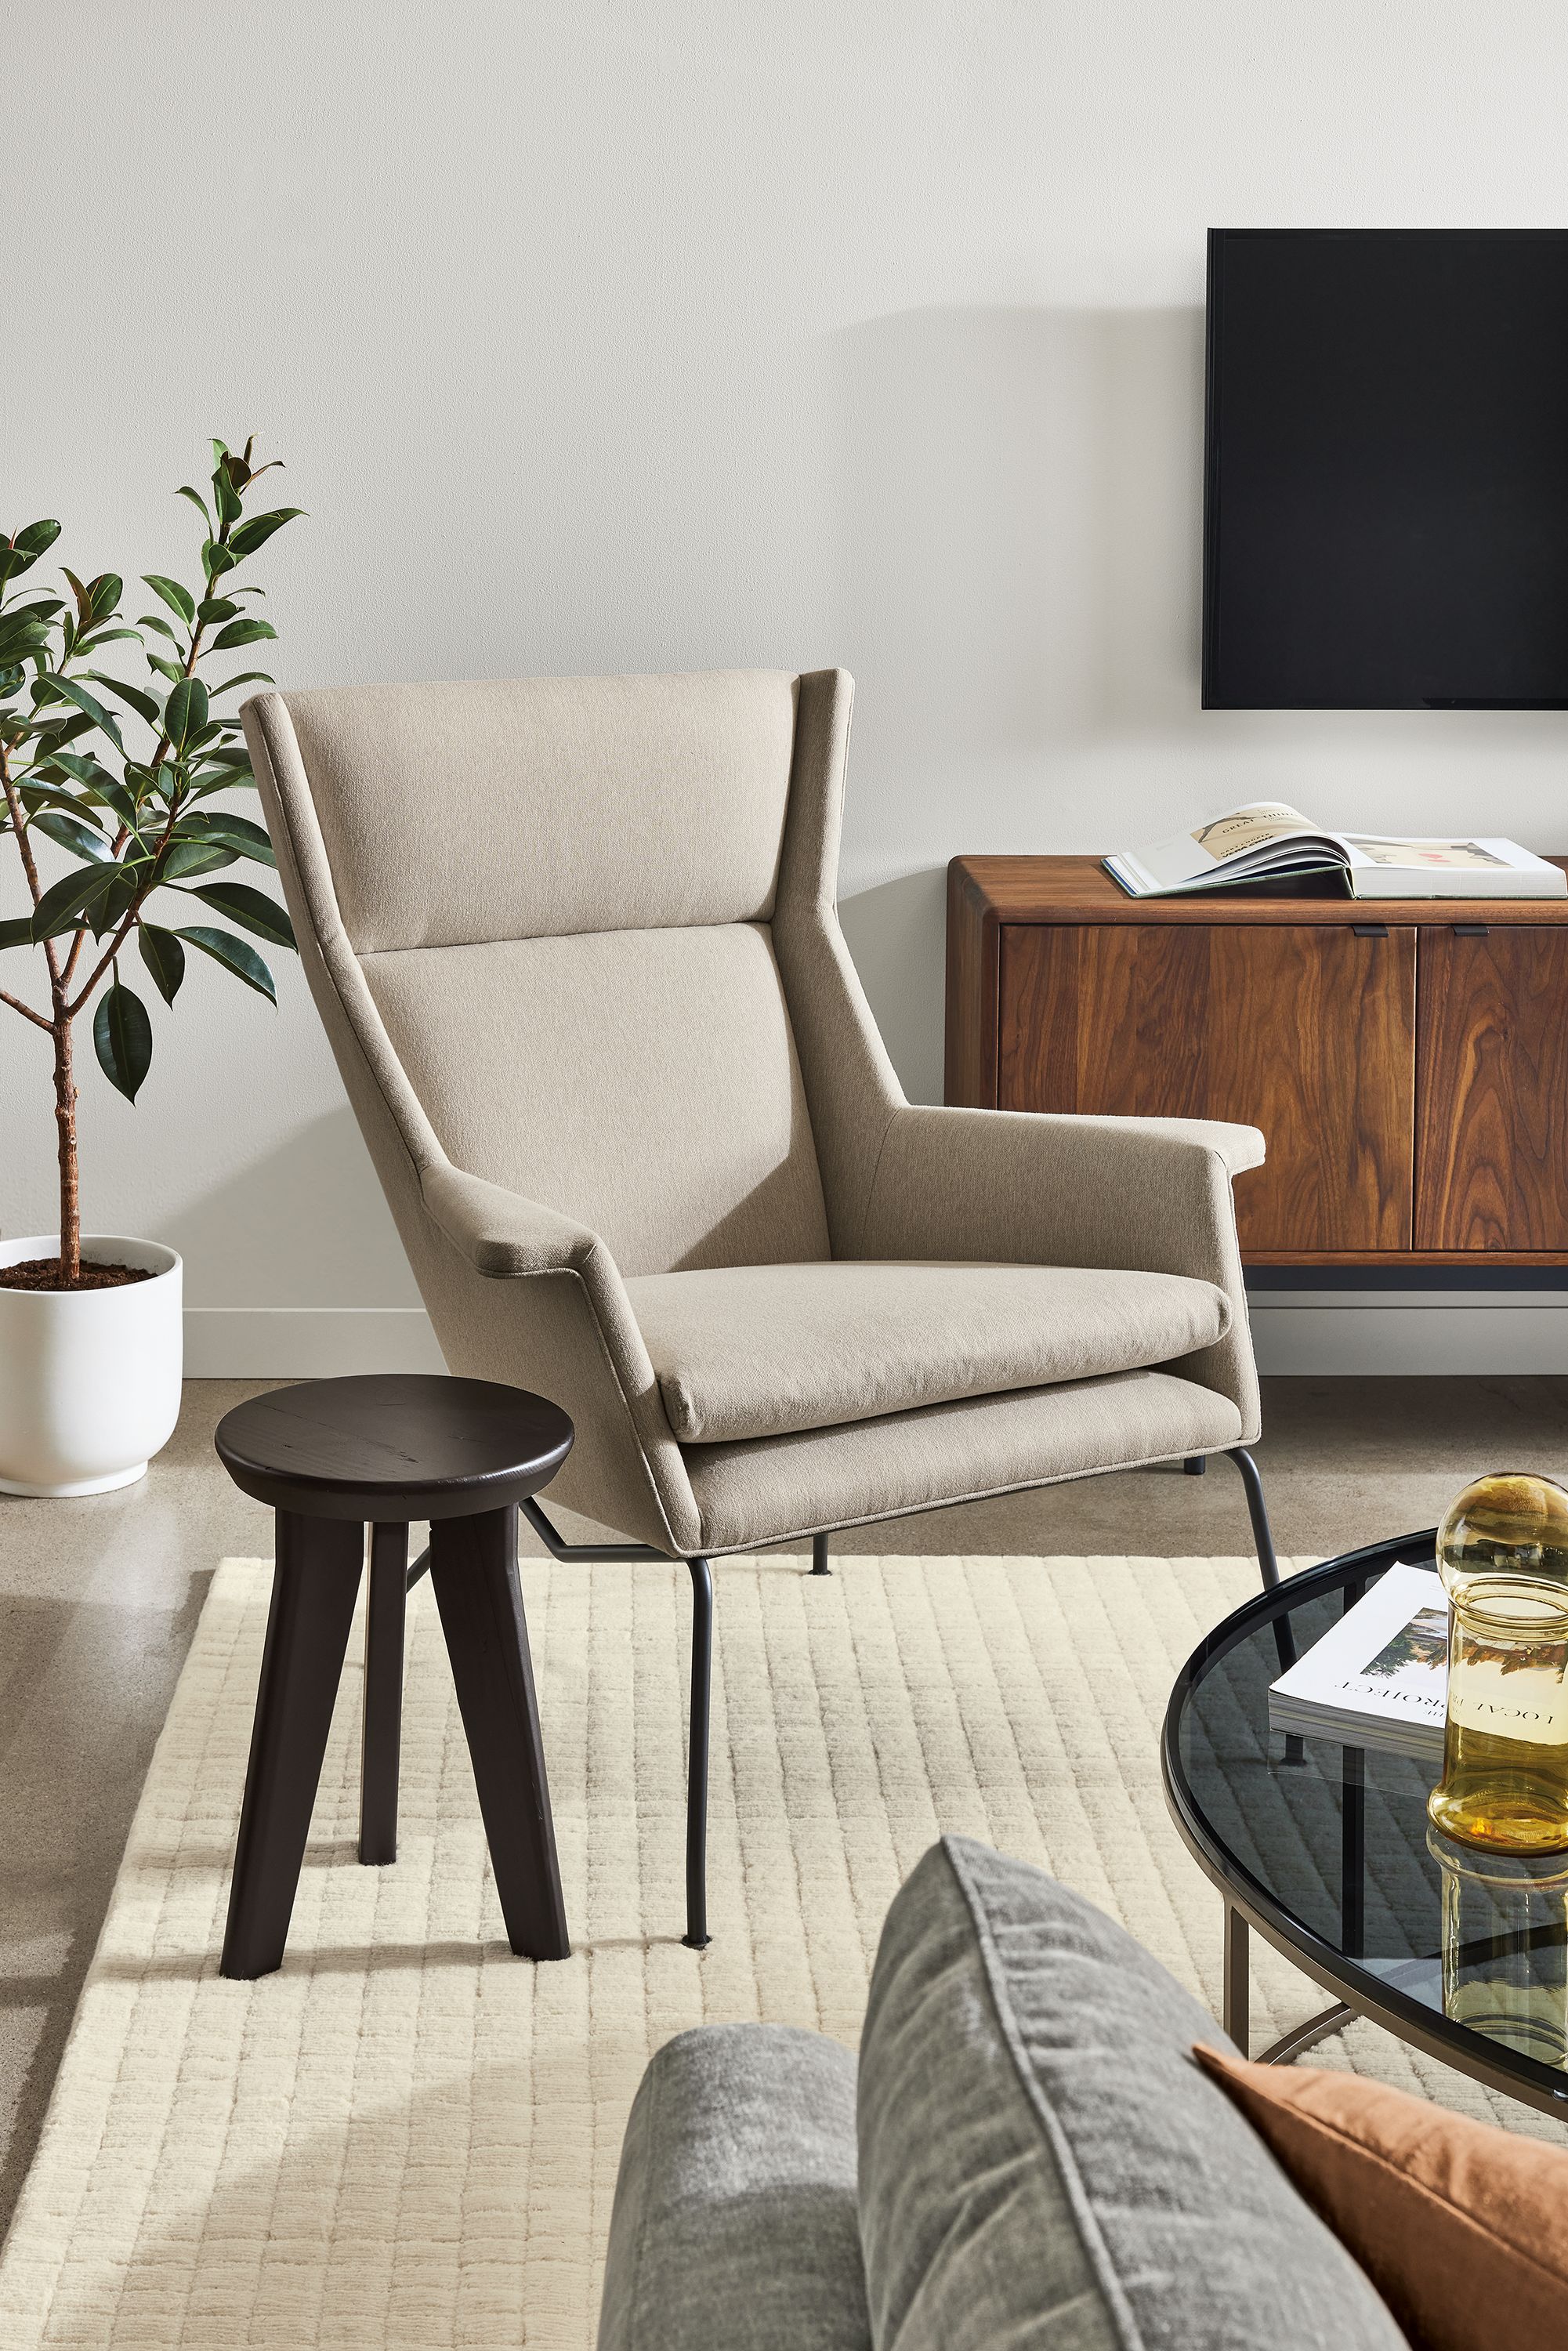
<point>1386,476</point>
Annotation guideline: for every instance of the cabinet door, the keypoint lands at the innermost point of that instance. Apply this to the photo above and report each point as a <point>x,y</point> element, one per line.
<point>1492,1131</point>
<point>1304,1031</point>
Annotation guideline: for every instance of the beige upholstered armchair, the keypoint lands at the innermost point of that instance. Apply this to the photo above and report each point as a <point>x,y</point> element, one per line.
<point>575,945</point>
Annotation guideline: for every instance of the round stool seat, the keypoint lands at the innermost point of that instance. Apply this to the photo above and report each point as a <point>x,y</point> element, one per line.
<point>394,1445</point>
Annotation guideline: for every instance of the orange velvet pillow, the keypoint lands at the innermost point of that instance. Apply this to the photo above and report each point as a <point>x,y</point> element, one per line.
<point>1463,2229</point>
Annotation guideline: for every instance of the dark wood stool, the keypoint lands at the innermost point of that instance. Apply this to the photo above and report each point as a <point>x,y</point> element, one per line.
<point>331,1457</point>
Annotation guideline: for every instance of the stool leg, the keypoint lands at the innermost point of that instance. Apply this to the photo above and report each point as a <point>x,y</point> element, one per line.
<point>314,1586</point>
<point>383,1732</point>
<point>473,1567</point>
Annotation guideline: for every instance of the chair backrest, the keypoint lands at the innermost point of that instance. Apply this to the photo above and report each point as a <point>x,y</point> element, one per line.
<point>560,893</point>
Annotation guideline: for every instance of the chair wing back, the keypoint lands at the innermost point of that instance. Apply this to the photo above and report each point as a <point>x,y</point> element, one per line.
<point>559,896</point>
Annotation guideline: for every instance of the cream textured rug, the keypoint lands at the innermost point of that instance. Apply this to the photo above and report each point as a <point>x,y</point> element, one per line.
<point>407,2140</point>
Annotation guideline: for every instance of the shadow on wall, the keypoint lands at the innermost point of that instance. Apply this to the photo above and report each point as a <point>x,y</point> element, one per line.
<point>306,1225</point>
<point>896,934</point>
<point>1019,511</point>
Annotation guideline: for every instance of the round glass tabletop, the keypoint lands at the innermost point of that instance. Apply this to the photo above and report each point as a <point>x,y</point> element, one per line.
<point>1326,1851</point>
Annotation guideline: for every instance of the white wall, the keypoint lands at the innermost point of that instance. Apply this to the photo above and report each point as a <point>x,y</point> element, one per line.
<point>669,336</point>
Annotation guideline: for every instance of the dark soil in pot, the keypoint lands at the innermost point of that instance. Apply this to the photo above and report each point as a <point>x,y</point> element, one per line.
<point>44,1273</point>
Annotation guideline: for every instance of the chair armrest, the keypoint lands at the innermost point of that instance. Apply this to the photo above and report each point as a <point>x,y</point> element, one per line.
<point>1032,1188</point>
<point>539,1300</point>
<point>505,1237</point>
<point>1022,1188</point>
<point>500,1233</point>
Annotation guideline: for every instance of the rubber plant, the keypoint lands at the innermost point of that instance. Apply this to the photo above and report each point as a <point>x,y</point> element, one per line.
<point>142,822</point>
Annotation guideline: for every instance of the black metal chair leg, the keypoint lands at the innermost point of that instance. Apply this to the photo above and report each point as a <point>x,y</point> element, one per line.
<point>381,1734</point>
<point>1195,1464</point>
<point>1257,1511</point>
<point>820,1555</point>
<point>1268,1569</point>
<point>696,1936</point>
<point>314,1586</point>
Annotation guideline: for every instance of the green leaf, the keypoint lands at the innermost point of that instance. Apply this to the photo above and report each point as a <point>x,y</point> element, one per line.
<point>35,796</point>
<point>65,689</point>
<point>58,725</point>
<point>179,600</point>
<point>185,712</point>
<point>248,632</point>
<point>19,554</point>
<point>251,909</point>
<point>227,496</point>
<point>236,832</point>
<point>16,932</point>
<point>19,637</point>
<point>103,594</point>
<point>115,798</point>
<point>245,677</point>
<point>73,834</point>
<point>214,609</point>
<point>215,559</point>
<point>164,958</point>
<point>70,904</point>
<point>172,671</point>
<point>131,880</point>
<point>197,500</point>
<point>96,783</point>
<point>208,781</point>
<point>104,637</point>
<point>154,621</point>
<point>132,696</point>
<point>124,1036</point>
<point>259,529</point>
<point>82,769</point>
<point>235,957</point>
<point>185,857</point>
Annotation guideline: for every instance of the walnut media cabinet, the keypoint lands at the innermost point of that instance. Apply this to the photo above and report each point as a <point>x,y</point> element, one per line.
<point>1407,1058</point>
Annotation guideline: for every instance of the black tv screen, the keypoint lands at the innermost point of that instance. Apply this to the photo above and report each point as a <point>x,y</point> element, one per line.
<point>1386,476</point>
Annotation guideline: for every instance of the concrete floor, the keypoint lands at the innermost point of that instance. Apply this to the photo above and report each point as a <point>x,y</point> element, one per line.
<point>98,1599</point>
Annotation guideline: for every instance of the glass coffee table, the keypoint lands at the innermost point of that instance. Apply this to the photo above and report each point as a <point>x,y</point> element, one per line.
<point>1326,1851</point>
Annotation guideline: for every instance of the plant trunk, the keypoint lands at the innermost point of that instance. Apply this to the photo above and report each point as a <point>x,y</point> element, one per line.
<point>66,1121</point>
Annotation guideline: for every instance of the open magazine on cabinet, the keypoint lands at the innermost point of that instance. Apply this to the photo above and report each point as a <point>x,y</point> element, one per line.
<point>1269,842</point>
<point>1380,1676</point>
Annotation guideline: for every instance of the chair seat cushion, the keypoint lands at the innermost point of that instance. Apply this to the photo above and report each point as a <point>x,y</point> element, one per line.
<point>754,1351</point>
<point>767,1490</point>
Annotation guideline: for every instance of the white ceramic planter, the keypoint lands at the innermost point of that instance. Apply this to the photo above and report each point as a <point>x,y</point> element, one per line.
<point>90,1379</point>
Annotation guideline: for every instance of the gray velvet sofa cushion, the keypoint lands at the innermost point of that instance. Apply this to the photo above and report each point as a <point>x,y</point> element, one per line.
<point>1041,2163</point>
<point>733,2223</point>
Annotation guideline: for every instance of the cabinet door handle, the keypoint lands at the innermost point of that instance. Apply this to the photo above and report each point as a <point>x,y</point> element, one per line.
<point>1370,930</point>
<point>1471,931</point>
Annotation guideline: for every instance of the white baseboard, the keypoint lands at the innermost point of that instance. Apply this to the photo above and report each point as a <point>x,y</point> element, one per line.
<point>1303,1336</point>
<point>1437,1334</point>
<point>307,1343</point>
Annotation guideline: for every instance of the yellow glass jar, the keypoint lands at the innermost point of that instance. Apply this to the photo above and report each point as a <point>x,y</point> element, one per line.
<point>1502,1552</point>
<point>1505,1946</point>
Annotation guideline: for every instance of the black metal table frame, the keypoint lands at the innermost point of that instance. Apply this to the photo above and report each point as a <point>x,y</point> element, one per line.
<point>1250,1908</point>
